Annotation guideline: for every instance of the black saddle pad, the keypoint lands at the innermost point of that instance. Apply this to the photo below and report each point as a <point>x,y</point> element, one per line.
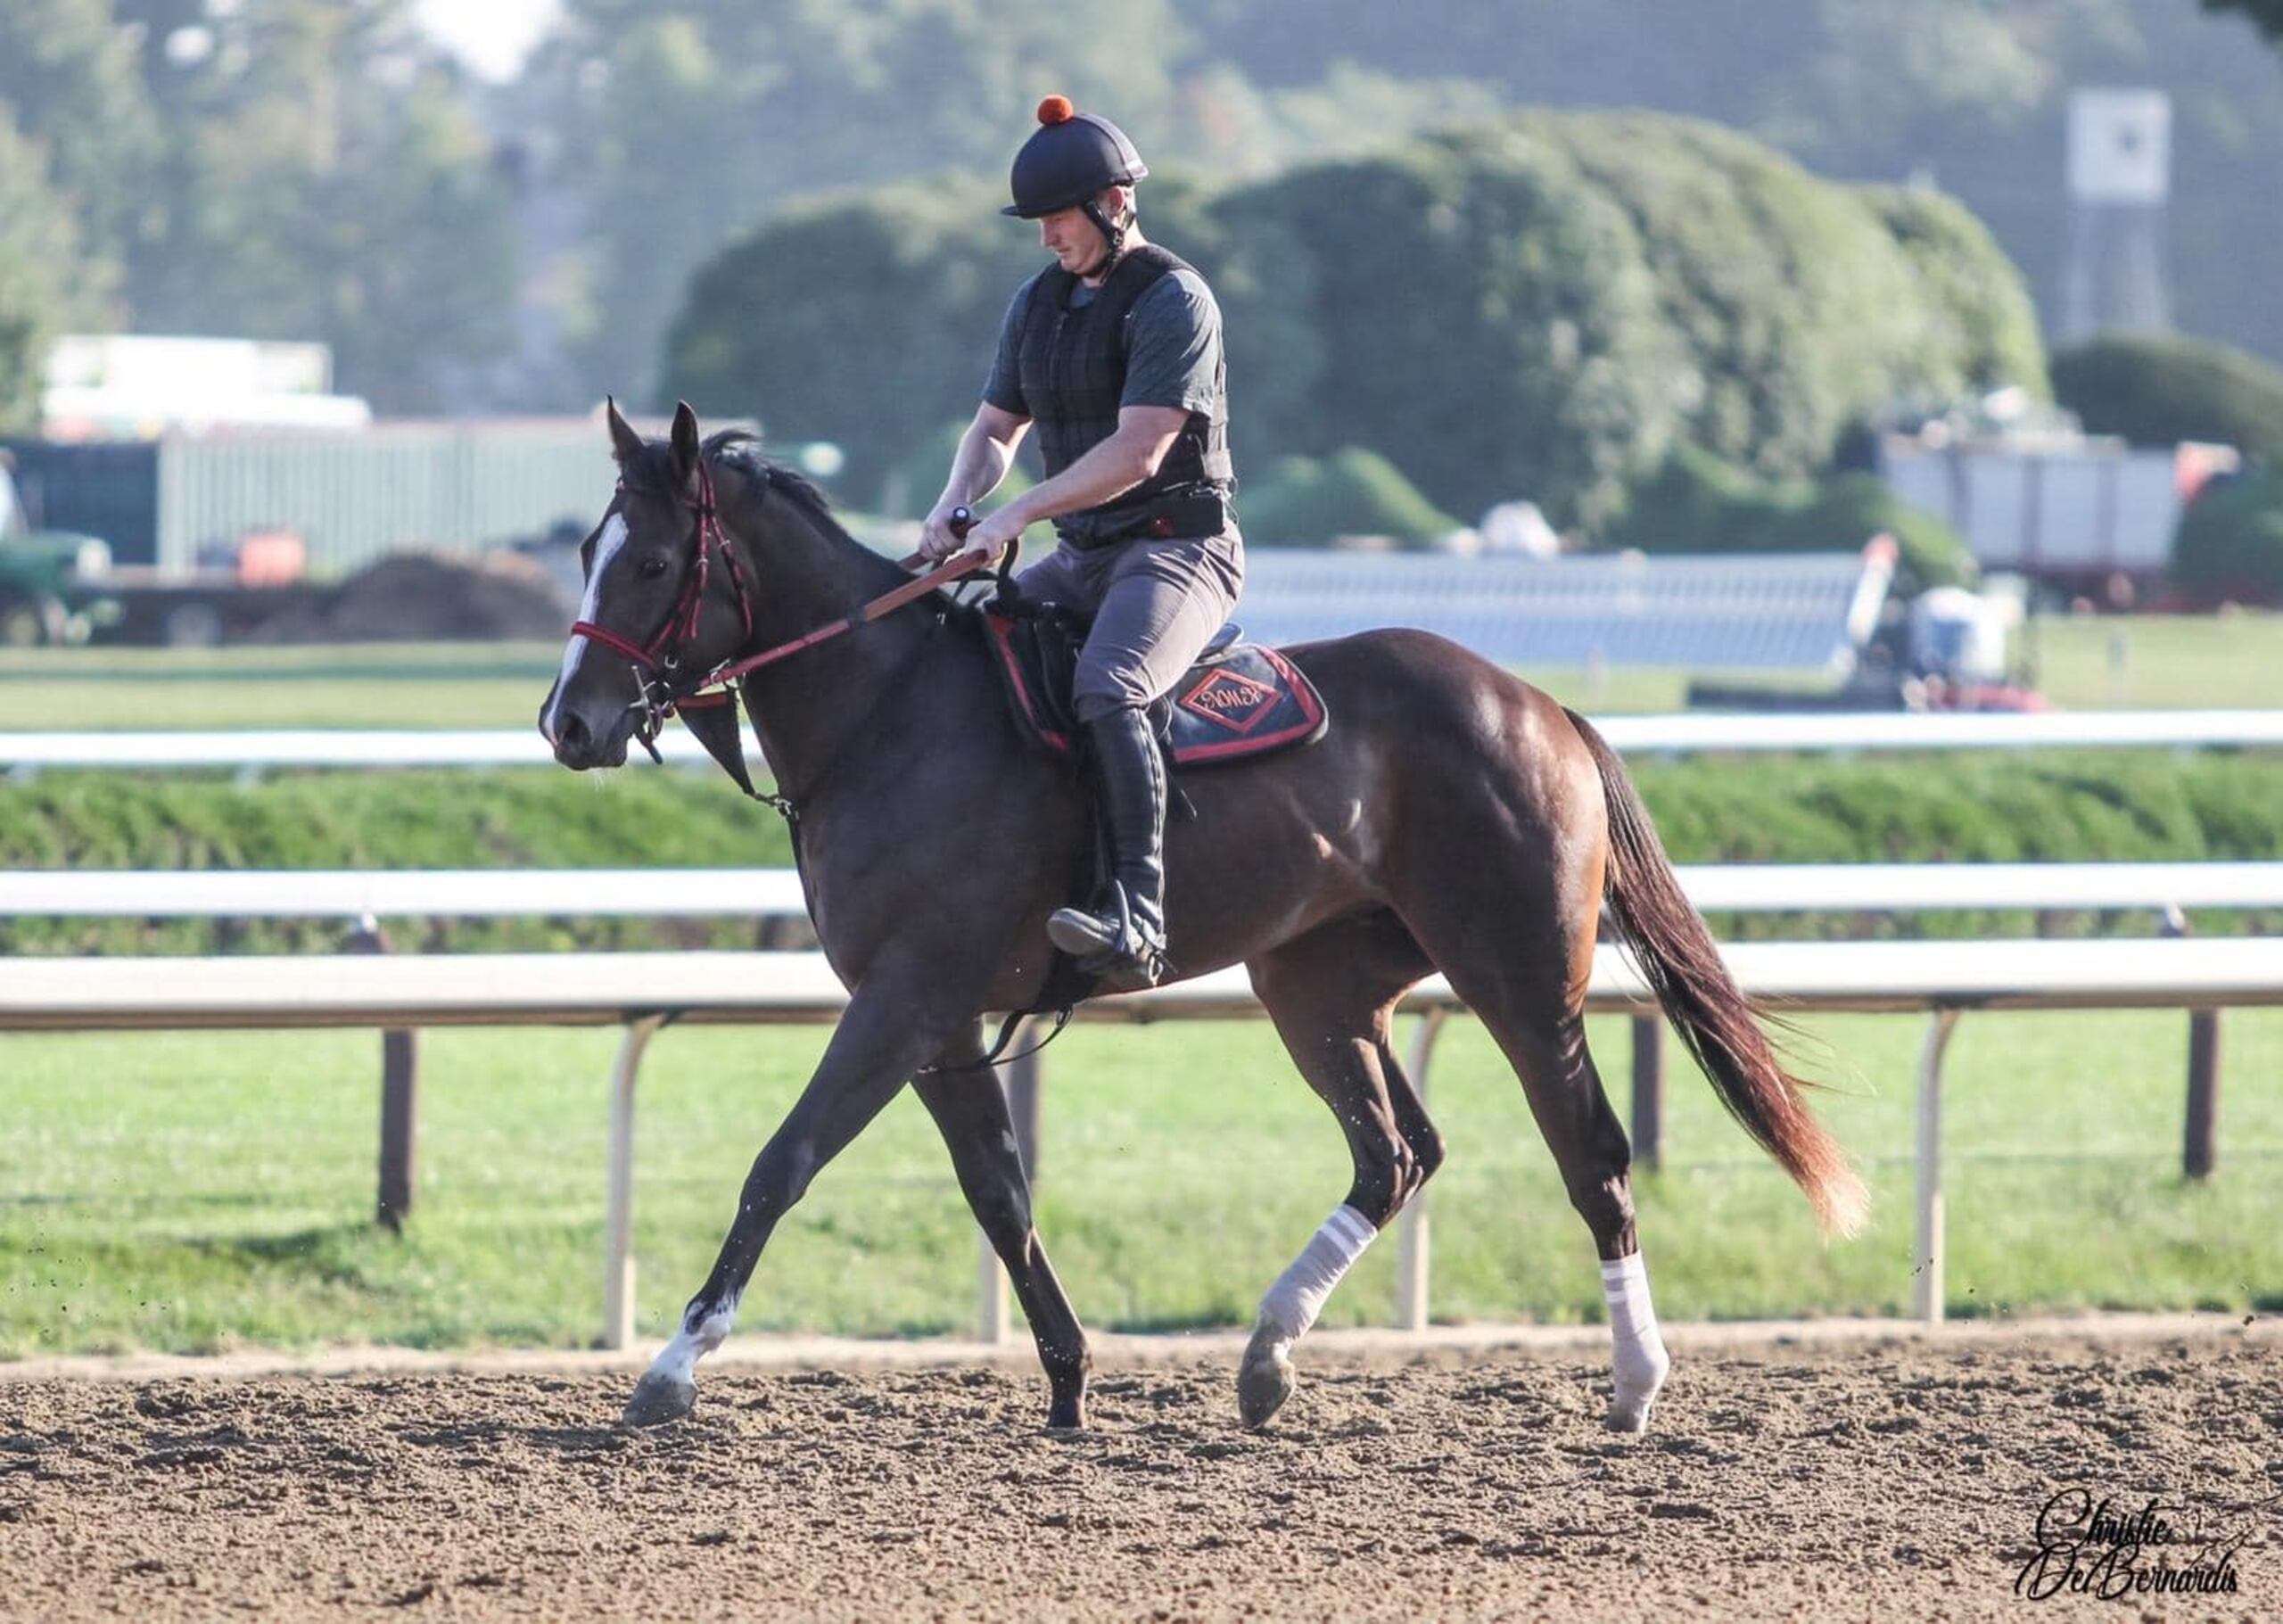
<point>1239,702</point>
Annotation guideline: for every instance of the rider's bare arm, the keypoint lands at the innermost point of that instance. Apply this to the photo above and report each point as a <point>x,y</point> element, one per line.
<point>986,450</point>
<point>1144,434</point>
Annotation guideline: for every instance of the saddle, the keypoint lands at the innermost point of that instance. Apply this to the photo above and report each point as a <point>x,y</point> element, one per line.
<point>1238,701</point>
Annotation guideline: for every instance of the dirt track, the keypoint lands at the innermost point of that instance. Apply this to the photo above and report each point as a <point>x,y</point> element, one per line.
<point>1886,1482</point>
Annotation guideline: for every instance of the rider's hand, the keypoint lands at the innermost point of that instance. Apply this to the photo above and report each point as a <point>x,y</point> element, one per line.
<point>993,534</point>
<point>937,539</point>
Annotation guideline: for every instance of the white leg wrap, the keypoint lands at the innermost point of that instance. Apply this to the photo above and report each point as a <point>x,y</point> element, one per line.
<point>677,1361</point>
<point>1297,1296</point>
<point>1638,1359</point>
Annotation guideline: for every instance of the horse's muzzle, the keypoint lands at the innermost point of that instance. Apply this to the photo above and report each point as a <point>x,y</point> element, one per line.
<point>577,744</point>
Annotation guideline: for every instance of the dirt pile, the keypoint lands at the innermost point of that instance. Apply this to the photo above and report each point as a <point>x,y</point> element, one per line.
<point>432,598</point>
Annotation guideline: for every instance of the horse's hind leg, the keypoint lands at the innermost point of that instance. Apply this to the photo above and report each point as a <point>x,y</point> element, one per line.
<point>1331,995</point>
<point>971,1113</point>
<point>1521,964</point>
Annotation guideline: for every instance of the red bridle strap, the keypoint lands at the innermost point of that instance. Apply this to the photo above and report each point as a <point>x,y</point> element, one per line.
<point>886,603</point>
<point>681,625</point>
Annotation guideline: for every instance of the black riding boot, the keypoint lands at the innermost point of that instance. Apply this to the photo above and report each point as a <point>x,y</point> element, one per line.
<point>1123,940</point>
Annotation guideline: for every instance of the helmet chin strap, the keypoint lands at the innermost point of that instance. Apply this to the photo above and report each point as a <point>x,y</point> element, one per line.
<point>1114,237</point>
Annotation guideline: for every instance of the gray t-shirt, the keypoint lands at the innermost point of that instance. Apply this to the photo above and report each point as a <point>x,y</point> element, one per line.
<point>1173,352</point>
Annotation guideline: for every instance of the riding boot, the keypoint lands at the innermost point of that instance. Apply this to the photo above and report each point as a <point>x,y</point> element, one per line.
<point>1122,939</point>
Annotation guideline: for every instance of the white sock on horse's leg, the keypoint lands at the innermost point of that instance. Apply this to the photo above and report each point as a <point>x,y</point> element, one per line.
<point>1264,1377</point>
<point>677,1361</point>
<point>1638,1362</point>
<point>1299,1295</point>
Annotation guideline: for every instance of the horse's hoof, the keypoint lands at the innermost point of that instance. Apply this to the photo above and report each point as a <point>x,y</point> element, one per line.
<point>1627,1416</point>
<point>1635,1382</point>
<point>659,1399</point>
<point>1265,1379</point>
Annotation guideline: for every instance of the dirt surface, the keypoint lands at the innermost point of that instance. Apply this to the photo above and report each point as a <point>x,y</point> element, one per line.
<point>1876,1480</point>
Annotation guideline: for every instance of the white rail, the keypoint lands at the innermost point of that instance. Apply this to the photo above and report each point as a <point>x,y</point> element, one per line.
<point>640,991</point>
<point>765,892</point>
<point>1671,735</point>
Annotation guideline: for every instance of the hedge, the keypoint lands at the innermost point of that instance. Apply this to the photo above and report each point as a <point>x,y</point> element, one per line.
<point>1537,308</point>
<point>2160,389</point>
<point>2230,542</point>
<point>1979,808</point>
<point>1699,505</point>
<point>1308,501</point>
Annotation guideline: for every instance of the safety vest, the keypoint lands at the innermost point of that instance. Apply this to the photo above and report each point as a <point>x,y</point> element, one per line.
<point>1071,363</point>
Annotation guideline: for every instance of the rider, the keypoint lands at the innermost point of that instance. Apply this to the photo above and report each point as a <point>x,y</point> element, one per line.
<point>1114,351</point>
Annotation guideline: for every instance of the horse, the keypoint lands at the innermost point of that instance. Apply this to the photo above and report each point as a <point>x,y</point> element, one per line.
<point>1454,819</point>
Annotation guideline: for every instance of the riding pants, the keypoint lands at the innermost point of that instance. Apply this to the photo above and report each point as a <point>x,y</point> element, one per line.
<point>1156,605</point>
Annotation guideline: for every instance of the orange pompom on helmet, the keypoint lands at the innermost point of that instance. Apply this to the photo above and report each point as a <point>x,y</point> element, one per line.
<point>1069,158</point>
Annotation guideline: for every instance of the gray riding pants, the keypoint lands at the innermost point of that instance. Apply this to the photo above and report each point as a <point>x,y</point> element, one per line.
<point>1156,604</point>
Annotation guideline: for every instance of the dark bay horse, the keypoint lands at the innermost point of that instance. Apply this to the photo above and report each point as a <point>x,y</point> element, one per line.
<point>1454,819</point>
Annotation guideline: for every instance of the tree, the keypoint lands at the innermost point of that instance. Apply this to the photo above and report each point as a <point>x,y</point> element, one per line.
<point>39,260</point>
<point>1487,321</point>
<point>325,178</point>
<point>697,121</point>
<point>2266,15</point>
<point>69,72</point>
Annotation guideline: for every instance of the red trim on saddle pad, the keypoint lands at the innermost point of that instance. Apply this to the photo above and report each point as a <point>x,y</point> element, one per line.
<point>1010,664</point>
<point>1248,702</point>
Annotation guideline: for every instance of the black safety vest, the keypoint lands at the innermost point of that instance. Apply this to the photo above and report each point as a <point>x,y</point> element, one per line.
<point>1071,363</point>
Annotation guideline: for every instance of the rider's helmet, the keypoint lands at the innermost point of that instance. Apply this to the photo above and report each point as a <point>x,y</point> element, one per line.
<point>1070,159</point>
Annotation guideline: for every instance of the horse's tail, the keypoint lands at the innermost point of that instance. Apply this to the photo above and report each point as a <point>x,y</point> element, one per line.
<point>1683,967</point>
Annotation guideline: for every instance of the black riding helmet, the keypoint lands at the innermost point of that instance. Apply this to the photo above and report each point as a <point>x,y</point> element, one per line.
<point>1070,159</point>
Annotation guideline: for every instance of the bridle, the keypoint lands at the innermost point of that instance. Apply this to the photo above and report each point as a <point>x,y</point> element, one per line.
<point>665,690</point>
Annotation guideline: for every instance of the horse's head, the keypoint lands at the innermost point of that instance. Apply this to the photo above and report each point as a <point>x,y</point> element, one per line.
<point>666,599</point>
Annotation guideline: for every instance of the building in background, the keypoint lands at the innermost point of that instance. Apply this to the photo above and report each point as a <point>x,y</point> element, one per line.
<point>135,386</point>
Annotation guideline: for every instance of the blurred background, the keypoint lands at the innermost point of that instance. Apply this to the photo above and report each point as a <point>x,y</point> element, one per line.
<point>288,285</point>
<point>1736,356</point>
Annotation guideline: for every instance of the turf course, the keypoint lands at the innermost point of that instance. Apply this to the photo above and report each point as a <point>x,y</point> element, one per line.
<point>2168,663</point>
<point>200,1192</point>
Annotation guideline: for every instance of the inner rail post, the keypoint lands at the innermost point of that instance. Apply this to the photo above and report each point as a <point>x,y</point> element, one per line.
<point>1928,1291</point>
<point>618,1222</point>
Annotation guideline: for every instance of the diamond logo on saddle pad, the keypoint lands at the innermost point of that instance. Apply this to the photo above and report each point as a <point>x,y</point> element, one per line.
<point>1230,699</point>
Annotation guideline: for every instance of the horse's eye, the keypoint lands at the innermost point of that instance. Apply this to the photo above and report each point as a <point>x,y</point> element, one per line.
<point>651,569</point>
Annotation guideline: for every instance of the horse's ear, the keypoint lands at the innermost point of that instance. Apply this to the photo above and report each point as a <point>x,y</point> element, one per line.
<point>625,444</point>
<point>685,442</point>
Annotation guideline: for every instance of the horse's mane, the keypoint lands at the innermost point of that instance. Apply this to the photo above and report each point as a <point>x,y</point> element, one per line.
<point>740,448</point>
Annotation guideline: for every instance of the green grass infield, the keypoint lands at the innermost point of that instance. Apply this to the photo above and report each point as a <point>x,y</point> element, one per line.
<point>201,1192</point>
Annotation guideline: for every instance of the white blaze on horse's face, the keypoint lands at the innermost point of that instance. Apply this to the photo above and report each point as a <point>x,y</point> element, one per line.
<point>607,543</point>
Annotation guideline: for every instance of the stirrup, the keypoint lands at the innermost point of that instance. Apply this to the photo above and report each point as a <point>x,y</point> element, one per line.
<point>1107,945</point>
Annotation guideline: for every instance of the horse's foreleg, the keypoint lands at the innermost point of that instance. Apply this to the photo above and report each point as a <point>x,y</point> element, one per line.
<point>893,1024</point>
<point>970,1111</point>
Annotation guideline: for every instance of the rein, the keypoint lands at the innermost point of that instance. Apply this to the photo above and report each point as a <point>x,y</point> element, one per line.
<point>663,695</point>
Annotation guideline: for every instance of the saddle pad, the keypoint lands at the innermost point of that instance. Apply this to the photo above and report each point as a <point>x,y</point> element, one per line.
<point>1239,702</point>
